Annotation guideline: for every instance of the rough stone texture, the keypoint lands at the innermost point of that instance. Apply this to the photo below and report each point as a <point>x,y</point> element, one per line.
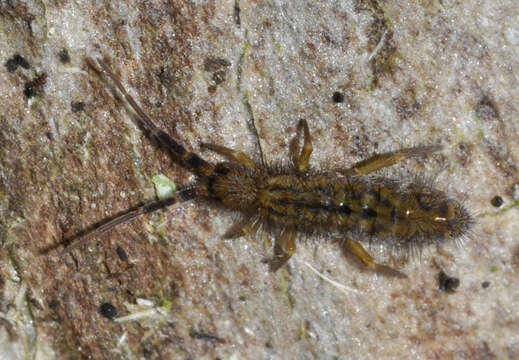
<point>411,73</point>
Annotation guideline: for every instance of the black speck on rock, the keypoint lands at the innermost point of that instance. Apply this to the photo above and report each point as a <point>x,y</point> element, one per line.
<point>64,56</point>
<point>497,201</point>
<point>35,86</point>
<point>77,106</point>
<point>13,63</point>
<point>447,283</point>
<point>338,97</point>
<point>108,310</point>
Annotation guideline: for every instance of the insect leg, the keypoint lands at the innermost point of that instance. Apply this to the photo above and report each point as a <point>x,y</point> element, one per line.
<point>189,159</point>
<point>301,160</point>
<point>83,238</point>
<point>242,228</point>
<point>235,155</point>
<point>381,161</point>
<point>356,249</point>
<point>284,248</point>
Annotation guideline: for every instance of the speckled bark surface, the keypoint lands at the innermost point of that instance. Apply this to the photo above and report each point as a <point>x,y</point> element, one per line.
<point>70,155</point>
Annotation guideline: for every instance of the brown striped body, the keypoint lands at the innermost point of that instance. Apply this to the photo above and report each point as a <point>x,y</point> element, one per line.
<point>410,214</point>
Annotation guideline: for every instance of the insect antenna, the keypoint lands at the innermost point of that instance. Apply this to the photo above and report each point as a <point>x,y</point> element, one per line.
<point>254,129</point>
<point>188,159</point>
<point>82,238</point>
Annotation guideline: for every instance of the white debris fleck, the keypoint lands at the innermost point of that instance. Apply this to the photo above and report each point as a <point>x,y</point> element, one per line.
<point>150,314</point>
<point>145,302</point>
<point>164,187</point>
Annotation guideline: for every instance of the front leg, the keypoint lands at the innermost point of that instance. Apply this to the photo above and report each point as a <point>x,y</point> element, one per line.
<point>301,160</point>
<point>233,155</point>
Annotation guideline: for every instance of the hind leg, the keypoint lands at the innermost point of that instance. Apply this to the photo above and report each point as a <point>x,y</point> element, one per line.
<point>355,248</point>
<point>381,161</point>
<point>284,248</point>
<point>242,228</point>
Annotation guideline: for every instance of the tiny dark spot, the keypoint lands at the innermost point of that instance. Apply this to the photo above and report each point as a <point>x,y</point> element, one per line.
<point>406,104</point>
<point>53,304</point>
<point>211,89</point>
<point>22,62</point>
<point>215,64</point>
<point>338,97</point>
<point>219,76</point>
<point>11,66</point>
<point>464,152</point>
<point>164,75</point>
<point>35,86</point>
<point>242,298</point>
<point>108,310</point>
<point>485,284</point>
<point>368,212</point>
<point>49,135</point>
<point>447,283</point>
<point>327,38</point>
<point>77,106</point>
<point>237,13</point>
<point>497,201</point>
<point>63,55</point>
<point>13,63</point>
<point>205,336</point>
<point>486,109</point>
<point>121,253</point>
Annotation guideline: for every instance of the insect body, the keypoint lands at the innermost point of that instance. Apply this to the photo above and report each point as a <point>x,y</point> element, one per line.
<point>294,200</point>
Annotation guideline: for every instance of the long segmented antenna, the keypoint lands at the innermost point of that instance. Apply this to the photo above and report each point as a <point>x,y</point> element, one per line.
<point>186,158</point>
<point>86,236</point>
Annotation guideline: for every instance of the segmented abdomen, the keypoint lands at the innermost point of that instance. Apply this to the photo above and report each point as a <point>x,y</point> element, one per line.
<point>379,207</point>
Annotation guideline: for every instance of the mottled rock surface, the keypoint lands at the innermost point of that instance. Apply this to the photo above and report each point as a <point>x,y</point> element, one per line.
<point>368,75</point>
